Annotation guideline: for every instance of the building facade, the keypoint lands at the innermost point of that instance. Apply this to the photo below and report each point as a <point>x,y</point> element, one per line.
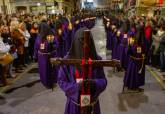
<point>144,7</point>
<point>5,7</point>
<point>37,6</point>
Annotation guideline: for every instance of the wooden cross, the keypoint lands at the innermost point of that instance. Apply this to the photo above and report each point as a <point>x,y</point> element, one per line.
<point>78,62</point>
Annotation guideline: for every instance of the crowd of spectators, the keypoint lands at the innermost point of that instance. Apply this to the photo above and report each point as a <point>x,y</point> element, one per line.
<point>17,37</point>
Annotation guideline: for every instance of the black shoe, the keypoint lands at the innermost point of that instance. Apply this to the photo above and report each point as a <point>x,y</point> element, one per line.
<point>140,89</point>
<point>1,85</point>
<point>13,76</point>
<point>21,68</point>
<point>17,71</point>
<point>25,66</point>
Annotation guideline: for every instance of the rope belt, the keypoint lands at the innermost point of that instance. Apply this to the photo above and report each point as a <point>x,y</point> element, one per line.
<point>123,45</point>
<point>44,53</point>
<point>138,59</point>
<point>135,58</point>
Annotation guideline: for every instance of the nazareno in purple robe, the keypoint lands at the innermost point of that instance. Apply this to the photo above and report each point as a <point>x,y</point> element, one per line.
<point>124,42</point>
<point>113,37</point>
<point>66,78</point>
<point>123,50</point>
<point>116,47</point>
<point>48,73</point>
<point>61,47</point>
<point>108,41</point>
<point>133,77</point>
<point>67,37</point>
<point>111,43</point>
<point>64,37</point>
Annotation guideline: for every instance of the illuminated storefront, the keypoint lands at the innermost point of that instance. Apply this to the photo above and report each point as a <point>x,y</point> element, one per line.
<point>39,6</point>
<point>149,7</point>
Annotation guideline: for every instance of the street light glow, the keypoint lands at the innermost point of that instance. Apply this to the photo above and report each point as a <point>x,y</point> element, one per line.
<point>89,0</point>
<point>38,4</point>
<point>53,11</point>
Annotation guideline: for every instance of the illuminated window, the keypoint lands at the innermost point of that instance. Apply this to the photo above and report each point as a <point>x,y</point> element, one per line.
<point>89,0</point>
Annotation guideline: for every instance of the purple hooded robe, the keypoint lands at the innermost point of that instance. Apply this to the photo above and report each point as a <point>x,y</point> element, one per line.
<point>43,51</point>
<point>67,82</point>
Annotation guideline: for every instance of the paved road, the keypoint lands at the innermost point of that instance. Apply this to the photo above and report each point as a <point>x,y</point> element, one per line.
<point>28,96</point>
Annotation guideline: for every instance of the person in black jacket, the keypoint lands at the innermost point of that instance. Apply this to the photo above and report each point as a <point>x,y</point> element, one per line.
<point>162,51</point>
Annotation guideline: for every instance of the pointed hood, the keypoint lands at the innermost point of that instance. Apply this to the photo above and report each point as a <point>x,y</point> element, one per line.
<point>76,51</point>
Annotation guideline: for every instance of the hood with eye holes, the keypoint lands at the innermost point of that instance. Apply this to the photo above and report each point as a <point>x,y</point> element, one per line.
<point>76,50</point>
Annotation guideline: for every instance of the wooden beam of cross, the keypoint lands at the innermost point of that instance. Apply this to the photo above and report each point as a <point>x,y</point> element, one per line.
<point>78,62</point>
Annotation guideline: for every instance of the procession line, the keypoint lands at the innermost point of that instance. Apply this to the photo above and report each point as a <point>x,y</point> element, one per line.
<point>156,76</point>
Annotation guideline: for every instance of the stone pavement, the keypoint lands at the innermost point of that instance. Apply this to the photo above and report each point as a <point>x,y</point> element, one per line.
<point>18,76</point>
<point>28,96</point>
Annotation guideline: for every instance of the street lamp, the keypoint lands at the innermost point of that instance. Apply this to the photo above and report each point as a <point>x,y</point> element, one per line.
<point>38,4</point>
<point>53,11</point>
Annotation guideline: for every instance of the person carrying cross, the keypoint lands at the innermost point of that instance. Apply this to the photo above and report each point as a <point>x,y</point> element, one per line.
<point>71,78</point>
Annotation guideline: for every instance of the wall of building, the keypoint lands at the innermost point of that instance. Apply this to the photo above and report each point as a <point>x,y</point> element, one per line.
<point>1,4</point>
<point>26,6</point>
<point>148,7</point>
<point>7,6</point>
<point>67,7</point>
